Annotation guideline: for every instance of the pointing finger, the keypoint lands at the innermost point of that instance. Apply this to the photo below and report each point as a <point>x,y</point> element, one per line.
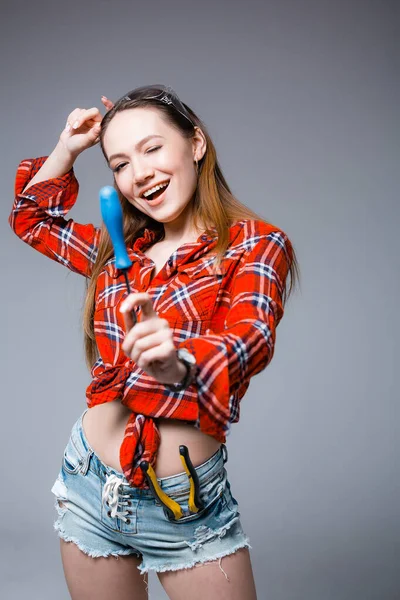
<point>139,299</point>
<point>130,319</point>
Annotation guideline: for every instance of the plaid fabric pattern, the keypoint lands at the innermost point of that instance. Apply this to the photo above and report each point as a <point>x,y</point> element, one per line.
<point>226,320</point>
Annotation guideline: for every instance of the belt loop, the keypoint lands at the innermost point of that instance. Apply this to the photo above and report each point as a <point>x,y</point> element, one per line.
<point>85,464</point>
<point>224,453</point>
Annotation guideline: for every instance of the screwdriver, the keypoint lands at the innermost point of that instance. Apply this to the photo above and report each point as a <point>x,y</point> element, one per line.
<point>111,213</point>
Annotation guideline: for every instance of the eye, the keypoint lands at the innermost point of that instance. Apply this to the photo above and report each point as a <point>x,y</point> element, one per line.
<point>118,168</point>
<point>153,149</point>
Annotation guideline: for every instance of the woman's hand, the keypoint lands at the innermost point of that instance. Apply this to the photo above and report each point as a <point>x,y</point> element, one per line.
<point>82,129</point>
<point>150,342</point>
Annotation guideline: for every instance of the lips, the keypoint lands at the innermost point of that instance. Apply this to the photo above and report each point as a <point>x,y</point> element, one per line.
<point>157,192</point>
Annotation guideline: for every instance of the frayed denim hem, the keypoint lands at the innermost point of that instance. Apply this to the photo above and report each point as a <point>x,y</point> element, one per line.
<point>198,562</point>
<point>202,534</point>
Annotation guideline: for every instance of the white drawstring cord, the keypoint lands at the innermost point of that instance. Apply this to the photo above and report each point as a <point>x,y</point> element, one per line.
<point>110,493</point>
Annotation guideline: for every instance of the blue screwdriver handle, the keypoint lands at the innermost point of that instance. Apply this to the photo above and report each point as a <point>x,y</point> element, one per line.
<point>111,213</point>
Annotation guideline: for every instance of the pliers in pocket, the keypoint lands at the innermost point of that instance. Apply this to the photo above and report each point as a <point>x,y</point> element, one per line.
<point>170,506</point>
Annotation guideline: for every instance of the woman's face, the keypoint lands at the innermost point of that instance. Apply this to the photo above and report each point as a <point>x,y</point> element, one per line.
<point>142,151</point>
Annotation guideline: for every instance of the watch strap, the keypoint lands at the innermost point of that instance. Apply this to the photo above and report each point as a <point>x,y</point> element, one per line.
<point>186,381</point>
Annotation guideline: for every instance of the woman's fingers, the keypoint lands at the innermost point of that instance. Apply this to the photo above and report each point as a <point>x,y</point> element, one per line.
<point>72,117</point>
<point>156,356</point>
<point>107,103</point>
<point>149,332</point>
<point>90,117</point>
<point>139,299</point>
<point>82,129</point>
<point>142,330</point>
<point>129,321</point>
<point>150,342</point>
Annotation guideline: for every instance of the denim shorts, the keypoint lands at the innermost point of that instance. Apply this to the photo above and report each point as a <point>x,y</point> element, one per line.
<point>137,522</point>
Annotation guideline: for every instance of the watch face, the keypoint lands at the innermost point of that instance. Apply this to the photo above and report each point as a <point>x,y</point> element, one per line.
<point>186,356</point>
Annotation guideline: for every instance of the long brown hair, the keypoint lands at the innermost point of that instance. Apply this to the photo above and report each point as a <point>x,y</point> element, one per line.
<point>214,205</point>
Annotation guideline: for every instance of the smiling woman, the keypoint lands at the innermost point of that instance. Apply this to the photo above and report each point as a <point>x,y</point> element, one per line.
<point>209,284</point>
<point>139,166</point>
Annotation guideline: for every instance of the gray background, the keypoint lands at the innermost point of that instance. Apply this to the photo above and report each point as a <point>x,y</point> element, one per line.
<point>300,98</point>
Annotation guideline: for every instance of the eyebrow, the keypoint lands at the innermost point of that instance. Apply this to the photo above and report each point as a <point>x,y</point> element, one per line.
<point>138,145</point>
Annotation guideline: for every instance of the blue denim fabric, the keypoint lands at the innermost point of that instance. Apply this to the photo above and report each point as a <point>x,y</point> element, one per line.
<point>134,522</point>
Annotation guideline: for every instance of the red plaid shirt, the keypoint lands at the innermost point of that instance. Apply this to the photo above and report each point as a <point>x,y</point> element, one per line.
<point>227,321</point>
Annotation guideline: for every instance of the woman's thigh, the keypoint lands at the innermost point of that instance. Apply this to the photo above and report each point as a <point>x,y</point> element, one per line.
<point>230,577</point>
<point>102,577</point>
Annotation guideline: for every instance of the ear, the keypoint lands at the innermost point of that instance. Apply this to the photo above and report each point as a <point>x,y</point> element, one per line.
<point>199,144</point>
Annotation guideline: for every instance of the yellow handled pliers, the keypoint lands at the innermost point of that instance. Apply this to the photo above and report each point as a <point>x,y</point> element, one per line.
<point>170,506</point>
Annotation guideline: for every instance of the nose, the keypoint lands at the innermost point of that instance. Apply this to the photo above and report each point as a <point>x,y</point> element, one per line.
<point>141,174</point>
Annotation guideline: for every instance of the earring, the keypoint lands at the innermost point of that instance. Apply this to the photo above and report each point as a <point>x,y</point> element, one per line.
<point>197,166</point>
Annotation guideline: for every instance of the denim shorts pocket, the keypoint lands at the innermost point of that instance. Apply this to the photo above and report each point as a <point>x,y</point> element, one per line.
<point>73,460</point>
<point>212,492</point>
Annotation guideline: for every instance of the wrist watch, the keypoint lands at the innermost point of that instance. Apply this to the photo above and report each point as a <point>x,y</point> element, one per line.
<point>190,363</point>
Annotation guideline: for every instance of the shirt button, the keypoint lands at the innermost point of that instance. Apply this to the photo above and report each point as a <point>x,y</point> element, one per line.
<point>204,237</point>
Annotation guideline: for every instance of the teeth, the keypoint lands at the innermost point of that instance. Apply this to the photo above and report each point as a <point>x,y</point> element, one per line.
<point>155,188</point>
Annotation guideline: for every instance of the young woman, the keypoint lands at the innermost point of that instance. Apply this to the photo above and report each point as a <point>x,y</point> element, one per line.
<point>208,283</point>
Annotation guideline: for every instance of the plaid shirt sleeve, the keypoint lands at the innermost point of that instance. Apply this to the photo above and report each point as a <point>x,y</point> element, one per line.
<point>38,218</point>
<point>227,360</point>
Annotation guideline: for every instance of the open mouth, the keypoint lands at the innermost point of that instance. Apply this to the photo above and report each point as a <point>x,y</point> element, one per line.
<point>156,194</point>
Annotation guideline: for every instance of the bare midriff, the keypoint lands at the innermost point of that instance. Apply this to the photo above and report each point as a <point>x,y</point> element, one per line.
<point>104,427</point>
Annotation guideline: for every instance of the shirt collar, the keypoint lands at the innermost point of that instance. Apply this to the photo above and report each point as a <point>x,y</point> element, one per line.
<point>186,253</point>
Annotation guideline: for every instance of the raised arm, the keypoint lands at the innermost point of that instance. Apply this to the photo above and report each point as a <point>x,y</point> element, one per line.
<point>46,189</point>
<point>38,218</point>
